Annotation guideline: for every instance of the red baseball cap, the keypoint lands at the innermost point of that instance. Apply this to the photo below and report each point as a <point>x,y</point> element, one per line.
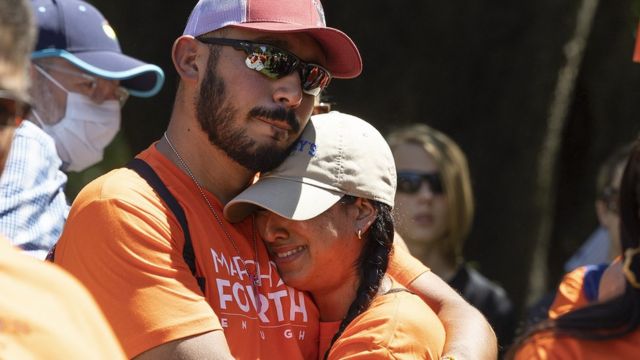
<point>280,16</point>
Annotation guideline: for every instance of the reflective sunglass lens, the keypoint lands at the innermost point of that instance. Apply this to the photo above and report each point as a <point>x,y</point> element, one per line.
<point>314,79</point>
<point>271,62</point>
<point>275,64</point>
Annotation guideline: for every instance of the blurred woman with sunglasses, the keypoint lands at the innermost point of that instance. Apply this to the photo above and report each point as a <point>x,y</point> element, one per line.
<point>607,329</point>
<point>434,210</point>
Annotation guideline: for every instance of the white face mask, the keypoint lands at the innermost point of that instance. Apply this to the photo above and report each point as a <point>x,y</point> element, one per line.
<point>84,131</point>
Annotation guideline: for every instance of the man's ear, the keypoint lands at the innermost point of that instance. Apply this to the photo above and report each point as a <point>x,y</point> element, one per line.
<point>366,214</point>
<point>185,54</point>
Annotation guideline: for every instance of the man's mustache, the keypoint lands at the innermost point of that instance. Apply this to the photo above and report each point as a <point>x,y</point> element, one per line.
<point>287,116</point>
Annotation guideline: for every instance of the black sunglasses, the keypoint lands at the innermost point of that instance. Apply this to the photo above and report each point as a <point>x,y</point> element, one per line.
<point>409,182</point>
<point>13,109</point>
<point>276,63</point>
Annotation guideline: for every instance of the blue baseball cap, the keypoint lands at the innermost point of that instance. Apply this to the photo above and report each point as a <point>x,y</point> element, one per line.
<point>77,32</point>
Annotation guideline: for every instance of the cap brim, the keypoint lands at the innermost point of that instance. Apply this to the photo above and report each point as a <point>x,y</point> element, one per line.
<point>291,199</point>
<point>140,78</point>
<point>343,57</point>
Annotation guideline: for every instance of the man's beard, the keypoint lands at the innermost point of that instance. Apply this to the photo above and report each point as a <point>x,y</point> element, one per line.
<point>216,117</point>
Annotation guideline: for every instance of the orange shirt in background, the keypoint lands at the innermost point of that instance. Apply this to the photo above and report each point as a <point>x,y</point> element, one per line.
<point>125,246</point>
<point>570,295</point>
<point>46,314</point>
<point>545,346</point>
<point>577,289</point>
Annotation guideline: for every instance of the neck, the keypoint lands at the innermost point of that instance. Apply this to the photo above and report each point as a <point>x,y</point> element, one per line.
<point>211,167</point>
<point>334,303</point>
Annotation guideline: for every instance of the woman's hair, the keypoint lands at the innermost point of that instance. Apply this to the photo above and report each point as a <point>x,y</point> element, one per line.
<point>621,315</point>
<point>456,181</point>
<point>371,264</point>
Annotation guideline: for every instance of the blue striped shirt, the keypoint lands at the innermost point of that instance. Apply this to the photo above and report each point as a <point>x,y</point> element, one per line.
<point>33,206</point>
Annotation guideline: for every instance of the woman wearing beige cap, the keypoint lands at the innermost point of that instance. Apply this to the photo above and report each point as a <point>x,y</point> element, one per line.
<point>325,215</point>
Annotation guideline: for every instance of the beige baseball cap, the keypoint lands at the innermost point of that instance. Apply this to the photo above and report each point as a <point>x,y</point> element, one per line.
<point>336,155</point>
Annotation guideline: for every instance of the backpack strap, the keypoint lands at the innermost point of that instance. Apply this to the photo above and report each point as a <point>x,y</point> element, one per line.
<point>149,175</point>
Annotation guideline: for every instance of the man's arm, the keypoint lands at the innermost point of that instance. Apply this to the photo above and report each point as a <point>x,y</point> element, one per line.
<point>211,345</point>
<point>469,335</point>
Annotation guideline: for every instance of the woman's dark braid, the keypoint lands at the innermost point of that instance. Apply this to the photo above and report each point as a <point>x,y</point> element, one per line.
<point>372,265</point>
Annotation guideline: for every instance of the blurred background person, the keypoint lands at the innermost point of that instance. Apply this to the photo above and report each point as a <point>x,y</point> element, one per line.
<point>434,210</point>
<point>338,199</point>
<point>603,245</point>
<point>608,328</point>
<point>81,80</point>
<point>44,312</point>
<point>580,286</point>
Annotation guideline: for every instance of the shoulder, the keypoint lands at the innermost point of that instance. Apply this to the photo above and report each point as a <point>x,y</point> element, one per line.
<point>31,131</point>
<point>33,154</point>
<point>547,346</point>
<point>36,275</point>
<point>116,214</point>
<point>569,295</point>
<point>124,185</point>
<point>397,323</point>
<point>120,186</point>
<point>53,307</point>
<point>29,136</point>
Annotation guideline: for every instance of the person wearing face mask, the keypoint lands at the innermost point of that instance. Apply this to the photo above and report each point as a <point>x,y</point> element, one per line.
<point>80,81</point>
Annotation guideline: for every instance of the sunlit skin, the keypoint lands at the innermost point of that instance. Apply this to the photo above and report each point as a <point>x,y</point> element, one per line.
<point>318,255</point>
<point>421,218</point>
<point>50,100</point>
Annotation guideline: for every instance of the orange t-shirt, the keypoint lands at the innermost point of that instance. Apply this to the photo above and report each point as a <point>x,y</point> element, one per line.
<point>577,289</point>
<point>569,295</point>
<point>46,314</point>
<point>125,245</point>
<point>403,267</point>
<point>545,346</point>
<point>397,325</point>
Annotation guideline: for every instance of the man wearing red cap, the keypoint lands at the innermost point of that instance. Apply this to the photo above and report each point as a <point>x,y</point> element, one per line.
<point>173,276</point>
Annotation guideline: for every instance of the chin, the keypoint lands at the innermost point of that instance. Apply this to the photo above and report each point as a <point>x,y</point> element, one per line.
<point>297,282</point>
